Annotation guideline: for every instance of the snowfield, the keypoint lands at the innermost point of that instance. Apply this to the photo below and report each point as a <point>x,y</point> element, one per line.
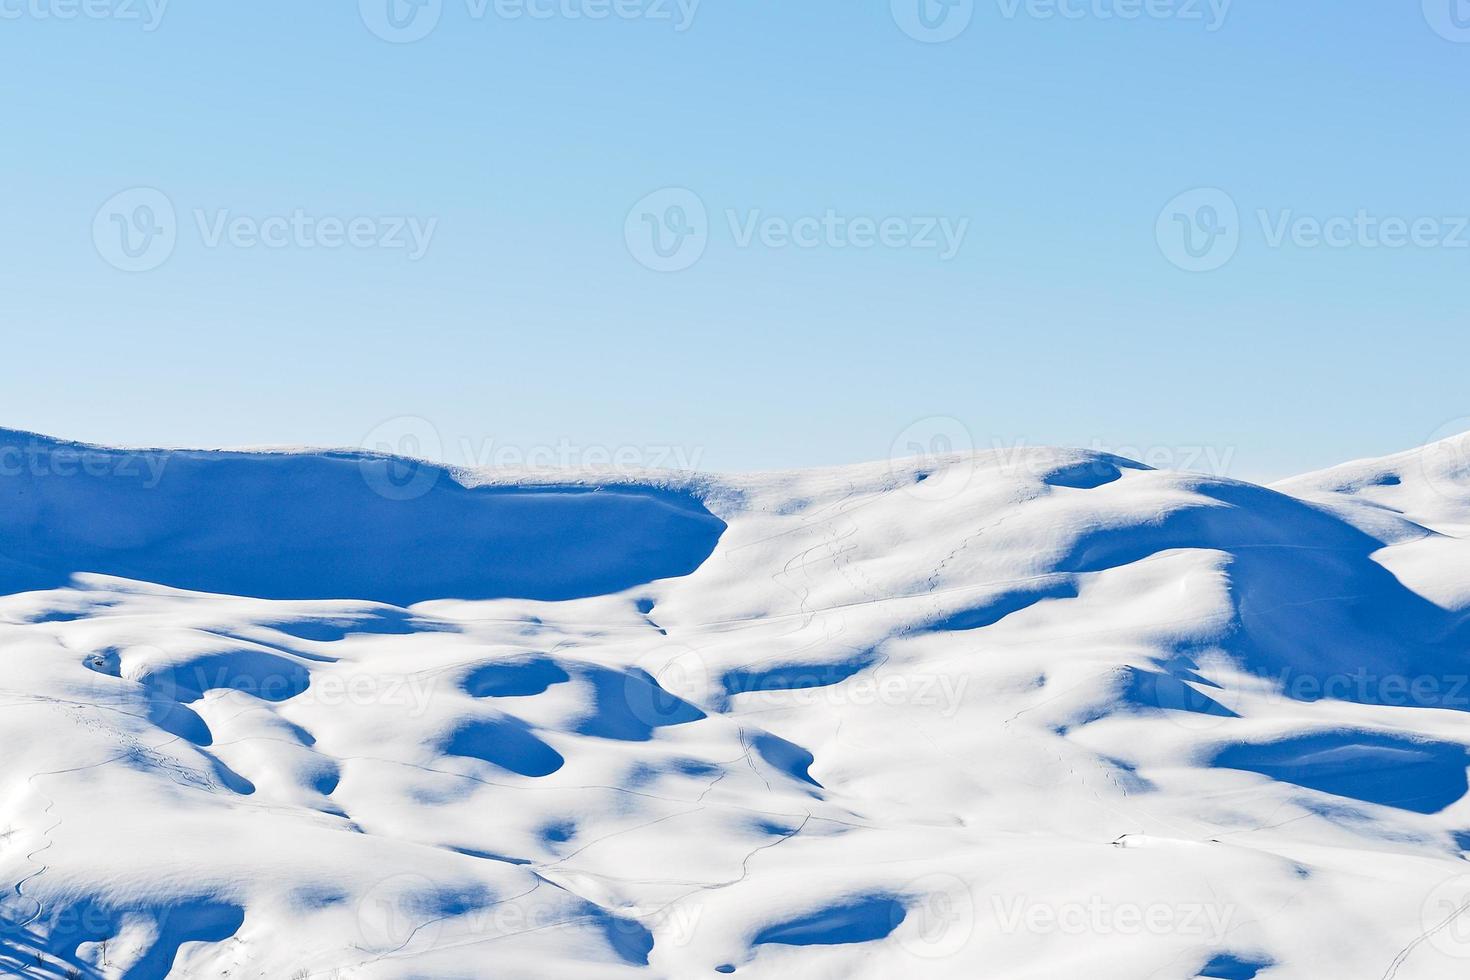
<point>1032,715</point>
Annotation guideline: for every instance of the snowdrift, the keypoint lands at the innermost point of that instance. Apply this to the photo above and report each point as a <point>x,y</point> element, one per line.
<point>1034,714</point>
<point>329,526</point>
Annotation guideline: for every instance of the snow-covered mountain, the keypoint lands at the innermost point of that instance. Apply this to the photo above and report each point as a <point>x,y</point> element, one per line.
<point>1039,714</point>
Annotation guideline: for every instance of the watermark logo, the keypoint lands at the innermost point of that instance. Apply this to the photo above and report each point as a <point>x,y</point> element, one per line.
<point>1199,231</point>
<point>938,21</point>
<point>679,13</point>
<point>1444,462</point>
<point>413,693</point>
<point>836,231</point>
<point>943,915</point>
<point>1445,917</point>
<point>401,467</point>
<point>1192,458</point>
<point>401,21</point>
<point>299,229</point>
<point>933,21</point>
<point>409,910</point>
<point>1195,702</point>
<point>1211,13</point>
<point>408,454</point>
<point>1363,686</point>
<point>1097,916</point>
<point>808,687</point>
<point>566,456</point>
<point>147,13</point>
<point>936,455</point>
<point>668,230</point>
<point>136,230</point>
<point>40,460</point>
<point>407,21</point>
<point>398,910</point>
<point>1450,19</point>
<point>1192,702</point>
<point>1363,230</point>
<point>135,664</point>
<point>664,696</point>
<point>153,670</point>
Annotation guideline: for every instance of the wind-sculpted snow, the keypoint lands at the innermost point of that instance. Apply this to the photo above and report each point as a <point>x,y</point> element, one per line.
<point>1045,714</point>
<point>330,526</point>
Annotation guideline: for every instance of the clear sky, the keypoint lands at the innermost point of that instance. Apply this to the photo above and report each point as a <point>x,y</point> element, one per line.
<point>740,235</point>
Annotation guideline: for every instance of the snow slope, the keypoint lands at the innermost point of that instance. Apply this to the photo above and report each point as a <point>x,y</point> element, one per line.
<point>1038,714</point>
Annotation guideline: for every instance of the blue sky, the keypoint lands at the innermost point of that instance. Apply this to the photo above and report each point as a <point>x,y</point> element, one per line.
<point>816,150</point>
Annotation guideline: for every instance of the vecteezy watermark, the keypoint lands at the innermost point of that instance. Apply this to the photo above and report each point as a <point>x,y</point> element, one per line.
<point>670,229</point>
<point>138,230</point>
<point>40,460</point>
<point>1364,229</point>
<point>411,693</point>
<point>566,456</point>
<point>936,457</point>
<point>1445,917</point>
<point>675,678</point>
<point>66,918</point>
<point>404,453</point>
<point>1363,686</point>
<point>407,21</point>
<point>1444,462</point>
<point>813,686</point>
<point>937,21</point>
<point>1022,456</point>
<point>411,911</point>
<point>400,909</point>
<point>942,913</point>
<point>833,230</point>
<point>146,13</point>
<point>401,454</point>
<point>1201,230</point>
<point>1193,458</point>
<point>1211,14</point>
<point>303,230</point>
<point>933,21</point>
<point>1098,916</point>
<point>401,21</point>
<point>1450,19</point>
<point>1192,700</point>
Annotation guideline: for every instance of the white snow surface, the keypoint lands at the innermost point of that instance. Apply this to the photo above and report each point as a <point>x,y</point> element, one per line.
<point>1027,715</point>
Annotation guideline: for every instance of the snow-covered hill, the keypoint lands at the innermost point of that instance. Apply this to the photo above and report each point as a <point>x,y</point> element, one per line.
<point>1044,714</point>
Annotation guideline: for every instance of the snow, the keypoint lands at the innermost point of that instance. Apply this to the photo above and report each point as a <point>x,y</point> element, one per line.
<point>1034,714</point>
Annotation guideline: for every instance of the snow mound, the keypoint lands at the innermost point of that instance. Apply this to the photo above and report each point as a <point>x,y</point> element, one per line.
<point>330,526</point>
<point>1024,715</point>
